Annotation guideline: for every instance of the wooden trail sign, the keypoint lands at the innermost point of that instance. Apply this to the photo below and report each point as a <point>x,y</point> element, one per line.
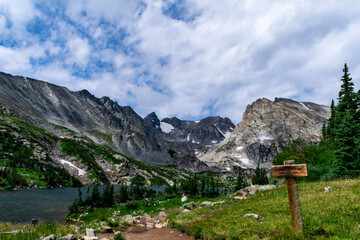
<point>291,171</point>
<point>294,170</point>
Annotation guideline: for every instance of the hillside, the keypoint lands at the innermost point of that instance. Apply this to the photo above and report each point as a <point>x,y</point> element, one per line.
<point>332,213</point>
<point>33,157</point>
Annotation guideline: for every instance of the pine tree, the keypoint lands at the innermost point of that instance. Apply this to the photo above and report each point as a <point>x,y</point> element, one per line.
<point>260,176</point>
<point>240,182</point>
<point>123,194</point>
<point>203,187</point>
<point>95,197</point>
<point>344,130</point>
<point>347,97</point>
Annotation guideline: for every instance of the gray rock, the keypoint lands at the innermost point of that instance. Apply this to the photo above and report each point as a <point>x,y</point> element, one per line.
<point>50,237</point>
<point>128,219</point>
<point>146,216</point>
<point>185,210</point>
<point>90,232</point>
<point>256,216</point>
<point>162,214</point>
<point>207,203</point>
<point>70,237</point>
<point>107,230</point>
<point>158,225</point>
<point>184,198</point>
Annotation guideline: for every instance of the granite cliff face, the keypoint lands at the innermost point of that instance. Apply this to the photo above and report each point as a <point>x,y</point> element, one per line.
<point>265,127</point>
<point>169,142</point>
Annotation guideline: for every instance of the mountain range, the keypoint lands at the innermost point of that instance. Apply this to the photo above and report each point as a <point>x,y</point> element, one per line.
<point>209,144</point>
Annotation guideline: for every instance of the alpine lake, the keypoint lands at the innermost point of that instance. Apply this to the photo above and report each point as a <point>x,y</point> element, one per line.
<point>48,205</point>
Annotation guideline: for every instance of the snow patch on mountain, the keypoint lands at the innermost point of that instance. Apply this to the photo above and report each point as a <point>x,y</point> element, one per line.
<point>166,127</point>
<point>80,171</point>
<point>304,106</point>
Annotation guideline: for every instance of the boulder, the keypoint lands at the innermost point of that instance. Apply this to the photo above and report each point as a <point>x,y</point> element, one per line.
<point>128,219</point>
<point>206,203</point>
<point>70,237</point>
<point>107,230</point>
<point>146,216</point>
<point>185,210</point>
<point>162,214</point>
<point>184,198</point>
<point>158,225</point>
<point>90,232</point>
<point>190,205</point>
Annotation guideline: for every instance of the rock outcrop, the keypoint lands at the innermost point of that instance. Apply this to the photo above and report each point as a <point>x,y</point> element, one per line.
<point>265,128</point>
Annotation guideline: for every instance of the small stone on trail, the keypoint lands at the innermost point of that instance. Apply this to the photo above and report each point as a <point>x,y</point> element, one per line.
<point>128,219</point>
<point>162,214</point>
<point>184,199</point>
<point>171,231</point>
<point>158,225</point>
<point>90,232</point>
<point>185,210</point>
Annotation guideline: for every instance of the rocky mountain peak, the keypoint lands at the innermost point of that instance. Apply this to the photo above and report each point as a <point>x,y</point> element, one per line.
<point>266,126</point>
<point>152,120</point>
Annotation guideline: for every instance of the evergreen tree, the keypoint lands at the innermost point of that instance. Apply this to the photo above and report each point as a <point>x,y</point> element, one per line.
<point>95,197</point>
<point>174,186</point>
<point>344,129</point>
<point>80,197</point>
<point>347,97</point>
<point>123,194</point>
<point>260,176</point>
<point>107,198</point>
<point>203,187</point>
<point>240,182</point>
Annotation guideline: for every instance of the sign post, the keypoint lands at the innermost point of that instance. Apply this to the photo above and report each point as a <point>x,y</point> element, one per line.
<point>291,171</point>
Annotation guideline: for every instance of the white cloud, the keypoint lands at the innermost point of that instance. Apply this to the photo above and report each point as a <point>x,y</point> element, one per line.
<point>18,13</point>
<point>79,51</point>
<point>214,58</point>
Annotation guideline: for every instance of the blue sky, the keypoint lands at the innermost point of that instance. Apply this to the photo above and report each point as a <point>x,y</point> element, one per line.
<point>189,59</point>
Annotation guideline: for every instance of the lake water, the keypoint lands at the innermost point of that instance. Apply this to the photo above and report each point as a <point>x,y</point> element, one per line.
<point>45,204</point>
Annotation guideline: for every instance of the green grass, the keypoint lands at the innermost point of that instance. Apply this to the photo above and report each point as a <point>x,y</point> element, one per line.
<point>30,232</point>
<point>32,176</point>
<point>334,214</point>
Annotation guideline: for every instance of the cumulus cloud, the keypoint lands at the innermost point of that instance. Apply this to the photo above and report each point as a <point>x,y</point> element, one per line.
<point>184,58</point>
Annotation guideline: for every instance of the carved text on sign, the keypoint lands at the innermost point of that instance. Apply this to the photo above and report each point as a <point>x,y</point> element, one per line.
<point>294,170</point>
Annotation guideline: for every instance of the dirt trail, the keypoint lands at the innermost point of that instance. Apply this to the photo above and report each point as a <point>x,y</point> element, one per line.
<point>152,234</point>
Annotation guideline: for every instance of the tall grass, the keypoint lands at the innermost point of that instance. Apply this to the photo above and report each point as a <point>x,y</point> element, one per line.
<point>331,214</point>
<point>30,232</point>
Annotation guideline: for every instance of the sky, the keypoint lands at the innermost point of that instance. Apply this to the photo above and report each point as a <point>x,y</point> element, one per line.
<point>185,58</point>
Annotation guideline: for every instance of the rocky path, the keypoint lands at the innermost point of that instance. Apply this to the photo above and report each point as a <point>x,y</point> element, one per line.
<point>157,234</point>
<point>152,234</point>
